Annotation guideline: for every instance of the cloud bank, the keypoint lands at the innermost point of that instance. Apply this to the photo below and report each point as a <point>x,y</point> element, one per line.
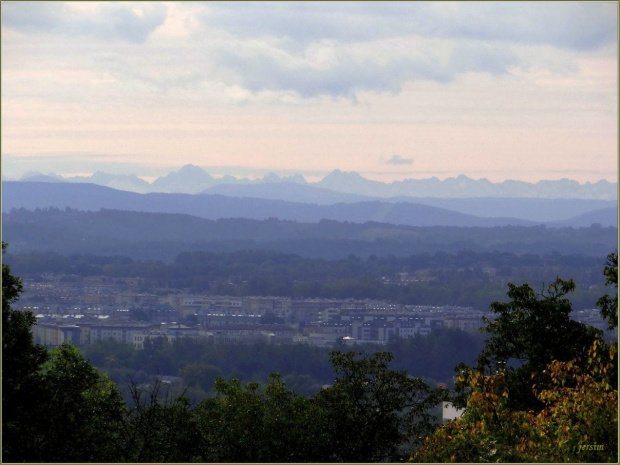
<point>335,49</point>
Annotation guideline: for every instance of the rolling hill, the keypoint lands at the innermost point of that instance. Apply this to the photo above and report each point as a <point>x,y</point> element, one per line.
<point>480,212</point>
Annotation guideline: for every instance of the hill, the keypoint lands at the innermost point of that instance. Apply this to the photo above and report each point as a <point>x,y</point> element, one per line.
<point>31,195</point>
<point>483,212</point>
<point>161,236</point>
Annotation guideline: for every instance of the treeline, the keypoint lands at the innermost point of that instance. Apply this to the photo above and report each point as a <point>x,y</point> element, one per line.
<point>465,278</point>
<point>197,363</point>
<point>161,236</point>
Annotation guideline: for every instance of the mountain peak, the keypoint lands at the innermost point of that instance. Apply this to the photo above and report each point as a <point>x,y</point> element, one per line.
<point>188,179</point>
<point>338,174</point>
<point>40,177</point>
<point>189,168</point>
<point>273,177</point>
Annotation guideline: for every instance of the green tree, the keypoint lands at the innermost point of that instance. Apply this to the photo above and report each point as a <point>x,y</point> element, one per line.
<point>288,423</point>
<point>529,332</point>
<point>81,412</point>
<point>200,375</point>
<point>369,414</point>
<point>609,304</point>
<point>159,428</point>
<point>241,423</point>
<point>56,407</point>
<point>21,378</point>
<point>247,424</point>
<point>370,411</point>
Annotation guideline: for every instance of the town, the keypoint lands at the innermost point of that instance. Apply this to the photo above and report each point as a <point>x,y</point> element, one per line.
<point>89,309</point>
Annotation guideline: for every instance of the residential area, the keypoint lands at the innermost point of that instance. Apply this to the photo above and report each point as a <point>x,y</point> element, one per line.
<point>90,309</point>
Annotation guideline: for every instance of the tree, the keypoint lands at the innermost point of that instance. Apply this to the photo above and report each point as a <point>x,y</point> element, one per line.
<point>81,412</point>
<point>608,304</point>
<point>55,405</point>
<point>579,421</point>
<point>21,378</point>
<point>488,431</point>
<point>581,409</point>
<point>244,424</point>
<point>159,428</point>
<point>200,375</point>
<point>528,333</point>
<point>371,411</point>
<point>369,414</point>
<point>544,390</point>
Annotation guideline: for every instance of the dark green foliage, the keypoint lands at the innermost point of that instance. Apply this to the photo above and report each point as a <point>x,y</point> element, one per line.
<point>159,428</point>
<point>198,360</point>
<point>366,415</point>
<point>200,375</point>
<point>435,356</point>
<point>21,377</point>
<point>304,368</point>
<point>81,412</point>
<point>528,333</point>
<point>370,411</point>
<point>609,304</point>
<point>243,423</point>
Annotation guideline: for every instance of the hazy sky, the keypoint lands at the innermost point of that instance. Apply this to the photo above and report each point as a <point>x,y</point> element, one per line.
<point>502,90</point>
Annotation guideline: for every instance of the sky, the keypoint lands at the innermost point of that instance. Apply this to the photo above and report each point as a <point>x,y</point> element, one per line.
<point>391,90</point>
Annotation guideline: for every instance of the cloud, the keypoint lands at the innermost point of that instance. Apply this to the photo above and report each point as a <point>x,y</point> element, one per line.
<point>567,25</point>
<point>576,25</point>
<point>341,48</point>
<point>304,50</point>
<point>130,22</point>
<point>343,70</point>
<point>398,160</point>
<point>343,79</point>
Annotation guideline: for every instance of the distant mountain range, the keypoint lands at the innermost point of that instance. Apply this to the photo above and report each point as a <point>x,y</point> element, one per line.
<point>472,212</point>
<point>339,186</point>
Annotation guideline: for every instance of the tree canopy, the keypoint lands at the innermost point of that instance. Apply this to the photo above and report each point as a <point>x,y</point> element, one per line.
<point>529,332</point>
<point>578,423</point>
<point>609,304</point>
<point>544,389</point>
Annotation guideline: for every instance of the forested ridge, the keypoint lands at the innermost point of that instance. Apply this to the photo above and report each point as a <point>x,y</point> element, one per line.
<point>528,397</point>
<point>464,278</point>
<point>163,236</point>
